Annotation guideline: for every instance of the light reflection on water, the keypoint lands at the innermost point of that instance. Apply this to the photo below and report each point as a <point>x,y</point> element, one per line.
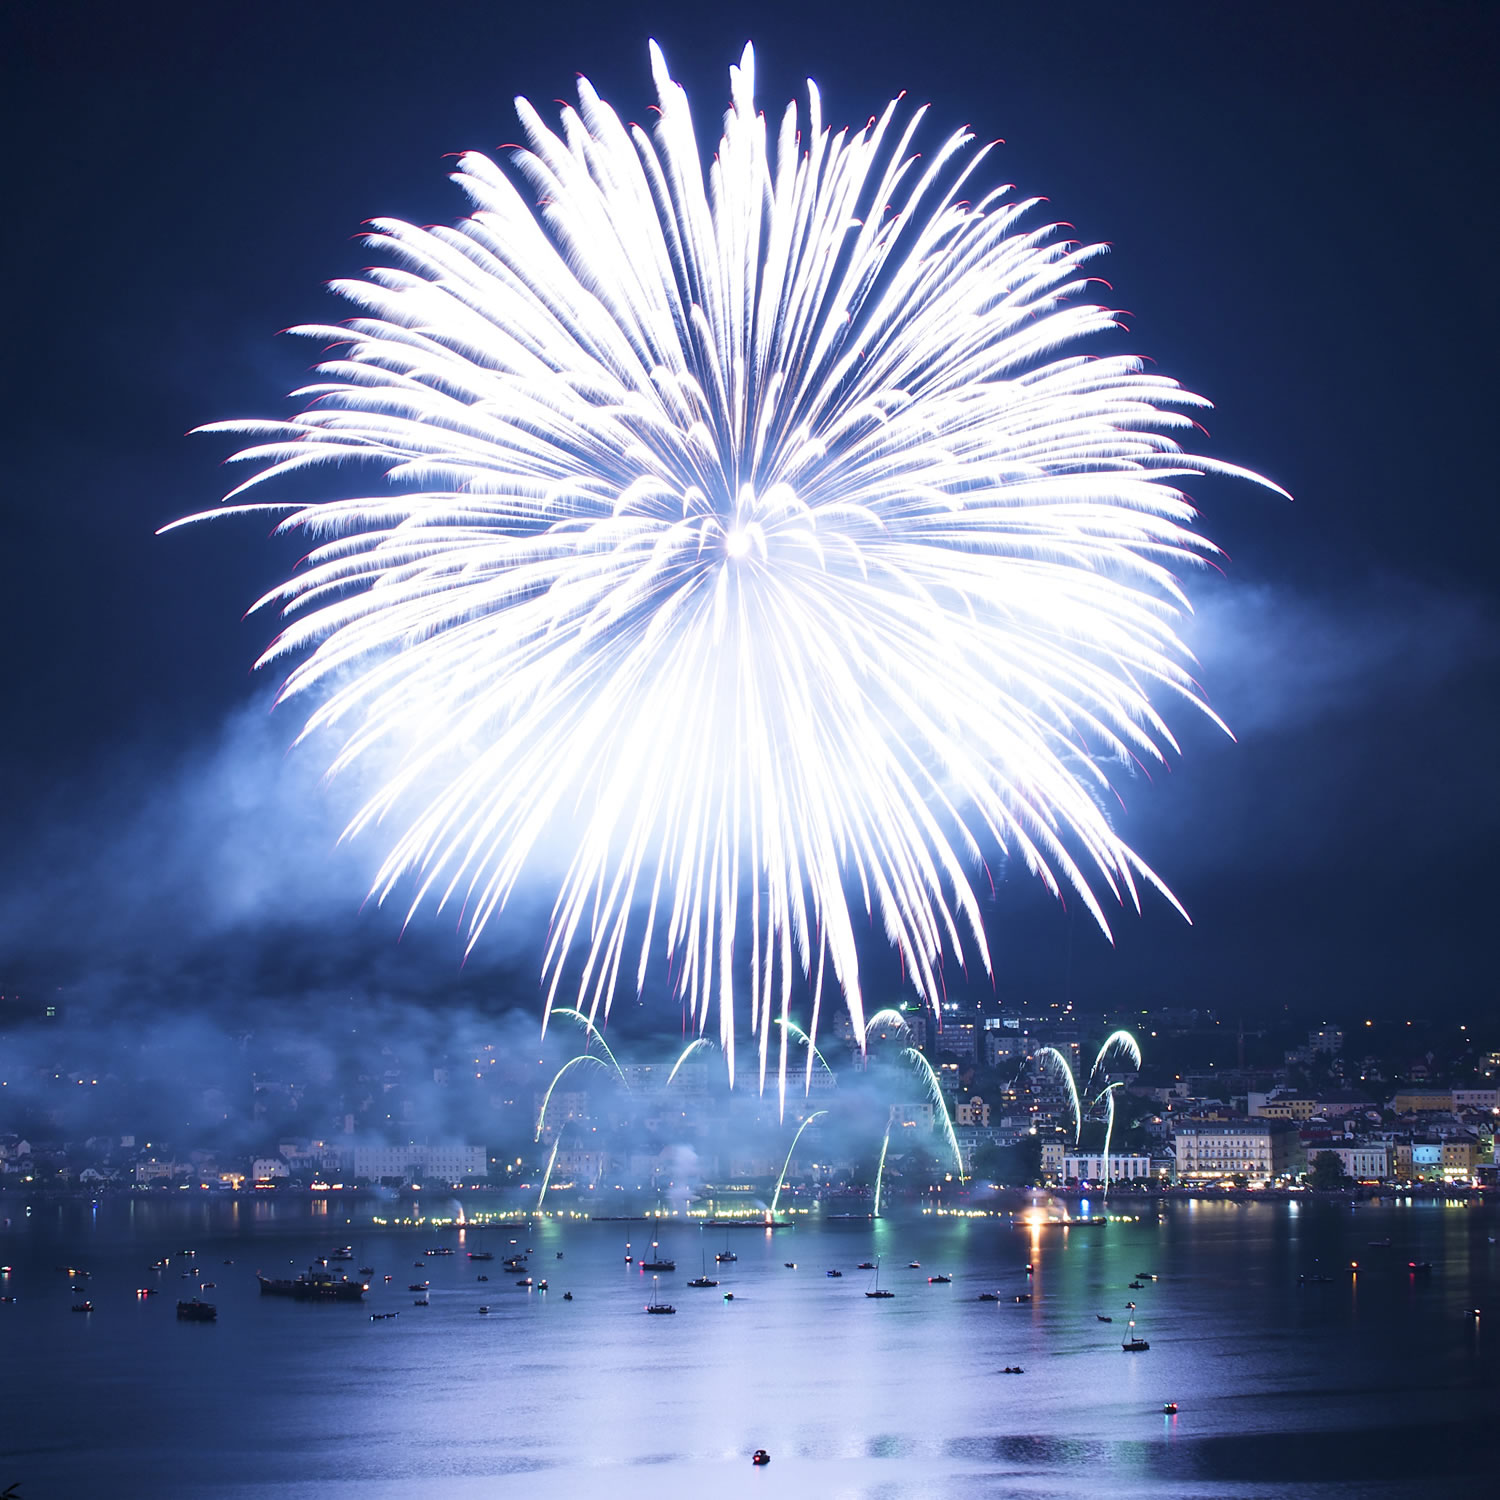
<point>1375,1383</point>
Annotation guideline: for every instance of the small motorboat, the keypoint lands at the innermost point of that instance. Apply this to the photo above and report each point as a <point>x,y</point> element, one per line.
<point>1023,1296</point>
<point>541,1286</point>
<point>729,1296</point>
<point>197,1312</point>
<point>833,1273</point>
<point>914,1265</point>
<point>1135,1286</point>
<point>228,1262</point>
<point>1314,1278</point>
<point>418,1286</point>
<point>1169,1408</point>
<point>989,1296</point>
<point>791,1265</point>
<point>1028,1268</point>
<point>83,1307</point>
<point>866,1265</point>
<point>724,1257</point>
<point>1103,1319</point>
<point>480,1255</point>
<point>1013,1370</point>
<point>760,1458</point>
<point>939,1281</point>
<point>660,1307</point>
<point>1419,1267</point>
<point>481,1278</point>
<point>567,1296</point>
<point>417,1264</point>
<point>559,1254</point>
<point>1130,1307</point>
<point>484,1310</point>
<point>390,1278</point>
<point>209,1286</point>
<point>524,1281</point>
<point>421,1302</point>
<point>367,1270</point>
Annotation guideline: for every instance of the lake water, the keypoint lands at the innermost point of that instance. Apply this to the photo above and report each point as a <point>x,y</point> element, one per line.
<point>1378,1383</point>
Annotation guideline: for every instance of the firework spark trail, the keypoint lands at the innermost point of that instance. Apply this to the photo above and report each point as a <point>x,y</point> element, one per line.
<point>935,1090</point>
<point>572,1062</point>
<point>682,1057</point>
<point>887,1017</point>
<point>591,1033</point>
<point>880,1170</point>
<point>792,1028</point>
<point>1051,1056</point>
<point>776,1197</point>
<point>755,533</point>
<point>547,1175</point>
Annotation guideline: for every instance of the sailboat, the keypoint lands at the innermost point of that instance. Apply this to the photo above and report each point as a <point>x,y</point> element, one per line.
<point>658,1262</point>
<point>877,1291</point>
<point>1133,1344</point>
<point>726,1254</point>
<point>656,1305</point>
<point>705,1279</point>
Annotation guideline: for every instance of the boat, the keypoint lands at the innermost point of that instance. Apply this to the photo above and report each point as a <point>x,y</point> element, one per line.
<point>559,1255</point>
<point>209,1286</point>
<point>484,1310</point>
<point>1419,1267</point>
<point>726,1255</point>
<point>656,1305</point>
<point>313,1286</point>
<point>197,1312</point>
<point>1135,1286</point>
<point>523,1281</point>
<point>866,1265</point>
<point>567,1296</point>
<point>989,1296</point>
<point>419,1286</point>
<point>914,1265</point>
<point>367,1270</point>
<point>344,1252</point>
<point>418,1265</point>
<point>833,1273</point>
<point>1133,1344</point>
<point>1386,1242</point>
<point>1129,1306</point>
<point>480,1255</point>
<point>1013,1370</point>
<point>703,1281</point>
<point>83,1307</point>
<point>729,1297</point>
<point>1023,1296</point>
<point>441,1250</point>
<point>422,1301</point>
<point>481,1278</point>
<point>1169,1408</point>
<point>760,1458</point>
<point>939,1280</point>
<point>1101,1318</point>
<point>1314,1278</point>
<point>877,1290</point>
<point>791,1265</point>
<point>541,1286</point>
<point>658,1262</point>
<point>381,1317</point>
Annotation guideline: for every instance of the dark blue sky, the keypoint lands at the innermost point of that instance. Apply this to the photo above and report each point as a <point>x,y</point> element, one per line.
<point>1301,203</point>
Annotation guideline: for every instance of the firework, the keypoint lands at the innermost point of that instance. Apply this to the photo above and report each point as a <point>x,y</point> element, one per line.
<point>776,1197</point>
<point>761,527</point>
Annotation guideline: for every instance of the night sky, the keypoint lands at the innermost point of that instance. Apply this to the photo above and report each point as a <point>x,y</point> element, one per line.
<point>1301,203</point>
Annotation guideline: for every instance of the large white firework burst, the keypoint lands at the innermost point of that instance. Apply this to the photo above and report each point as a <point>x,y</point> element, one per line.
<point>764,534</point>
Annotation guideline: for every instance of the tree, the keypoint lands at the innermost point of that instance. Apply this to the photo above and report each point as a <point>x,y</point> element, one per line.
<point>1327,1172</point>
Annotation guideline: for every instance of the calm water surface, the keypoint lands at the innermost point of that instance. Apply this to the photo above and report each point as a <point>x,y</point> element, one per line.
<point>1378,1384</point>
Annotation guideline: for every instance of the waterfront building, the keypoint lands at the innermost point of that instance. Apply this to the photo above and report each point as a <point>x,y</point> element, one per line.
<point>1090,1168</point>
<point>1415,1101</point>
<point>1260,1150</point>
